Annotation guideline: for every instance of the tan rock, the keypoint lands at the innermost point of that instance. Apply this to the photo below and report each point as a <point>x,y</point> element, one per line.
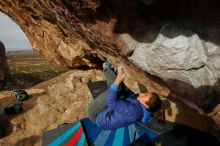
<point>51,103</point>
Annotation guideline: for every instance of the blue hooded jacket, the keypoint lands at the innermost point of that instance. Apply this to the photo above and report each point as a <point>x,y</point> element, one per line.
<point>121,112</point>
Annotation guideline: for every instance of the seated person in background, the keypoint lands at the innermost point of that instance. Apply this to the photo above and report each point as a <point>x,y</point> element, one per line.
<point>119,106</point>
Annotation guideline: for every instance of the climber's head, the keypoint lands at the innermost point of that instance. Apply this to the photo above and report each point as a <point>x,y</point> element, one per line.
<point>151,101</point>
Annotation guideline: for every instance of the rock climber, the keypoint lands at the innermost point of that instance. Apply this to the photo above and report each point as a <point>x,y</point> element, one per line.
<point>119,106</point>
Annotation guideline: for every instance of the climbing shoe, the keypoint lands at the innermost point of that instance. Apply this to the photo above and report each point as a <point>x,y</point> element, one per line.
<point>108,64</point>
<point>20,95</point>
<point>13,109</point>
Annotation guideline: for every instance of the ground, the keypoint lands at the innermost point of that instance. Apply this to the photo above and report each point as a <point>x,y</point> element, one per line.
<point>28,68</point>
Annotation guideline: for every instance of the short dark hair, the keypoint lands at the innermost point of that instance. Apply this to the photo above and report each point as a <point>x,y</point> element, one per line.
<point>154,103</point>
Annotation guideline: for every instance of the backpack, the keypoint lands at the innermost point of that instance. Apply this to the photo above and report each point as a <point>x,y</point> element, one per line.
<point>20,95</point>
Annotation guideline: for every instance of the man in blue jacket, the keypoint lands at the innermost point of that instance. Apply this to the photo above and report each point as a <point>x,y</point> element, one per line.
<point>119,106</point>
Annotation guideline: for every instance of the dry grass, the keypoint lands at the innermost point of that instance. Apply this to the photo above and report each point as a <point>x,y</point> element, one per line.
<point>27,68</point>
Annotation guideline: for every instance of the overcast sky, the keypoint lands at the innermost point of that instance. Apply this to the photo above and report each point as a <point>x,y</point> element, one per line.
<point>11,35</point>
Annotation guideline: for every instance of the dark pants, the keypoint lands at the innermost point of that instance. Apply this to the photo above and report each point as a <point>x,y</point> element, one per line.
<point>98,104</point>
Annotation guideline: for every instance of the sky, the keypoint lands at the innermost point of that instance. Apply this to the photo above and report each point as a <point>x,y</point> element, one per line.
<point>12,36</point>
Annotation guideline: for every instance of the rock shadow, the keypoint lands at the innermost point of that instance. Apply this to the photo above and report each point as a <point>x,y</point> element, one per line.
<point>4,126</point>
<point>205,97</point>
<point>28,141</point>
<point>185,136</point>
<point>192,112</point>
<point>197,111</point>
<point>144,21</point>
<point>207,133</point>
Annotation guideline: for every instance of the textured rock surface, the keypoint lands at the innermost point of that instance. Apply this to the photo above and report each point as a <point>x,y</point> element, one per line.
<point>78,33</point>
<point>69,33</point>
<point>51,103</point>
<point>4,70</point>
<point>182,59</point>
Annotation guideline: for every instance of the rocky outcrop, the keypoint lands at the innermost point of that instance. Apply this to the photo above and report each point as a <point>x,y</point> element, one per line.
<point>178,60</point>
<point>69,33</point>
<point>4,70</point>
<point>183,60</point>
<point>61,99</point>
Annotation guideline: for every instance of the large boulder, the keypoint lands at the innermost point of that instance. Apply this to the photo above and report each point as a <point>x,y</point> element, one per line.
<point>183,60</point>
<point>4,70</point>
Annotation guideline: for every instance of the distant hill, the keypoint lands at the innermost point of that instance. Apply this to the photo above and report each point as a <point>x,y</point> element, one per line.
<point>21,52</point>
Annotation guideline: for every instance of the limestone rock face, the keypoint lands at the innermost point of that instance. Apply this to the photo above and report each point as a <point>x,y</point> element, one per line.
<point>182,59</point>
<point>4,70</point>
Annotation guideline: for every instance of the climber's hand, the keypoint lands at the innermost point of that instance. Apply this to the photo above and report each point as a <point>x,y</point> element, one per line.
<point>120,76</point>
